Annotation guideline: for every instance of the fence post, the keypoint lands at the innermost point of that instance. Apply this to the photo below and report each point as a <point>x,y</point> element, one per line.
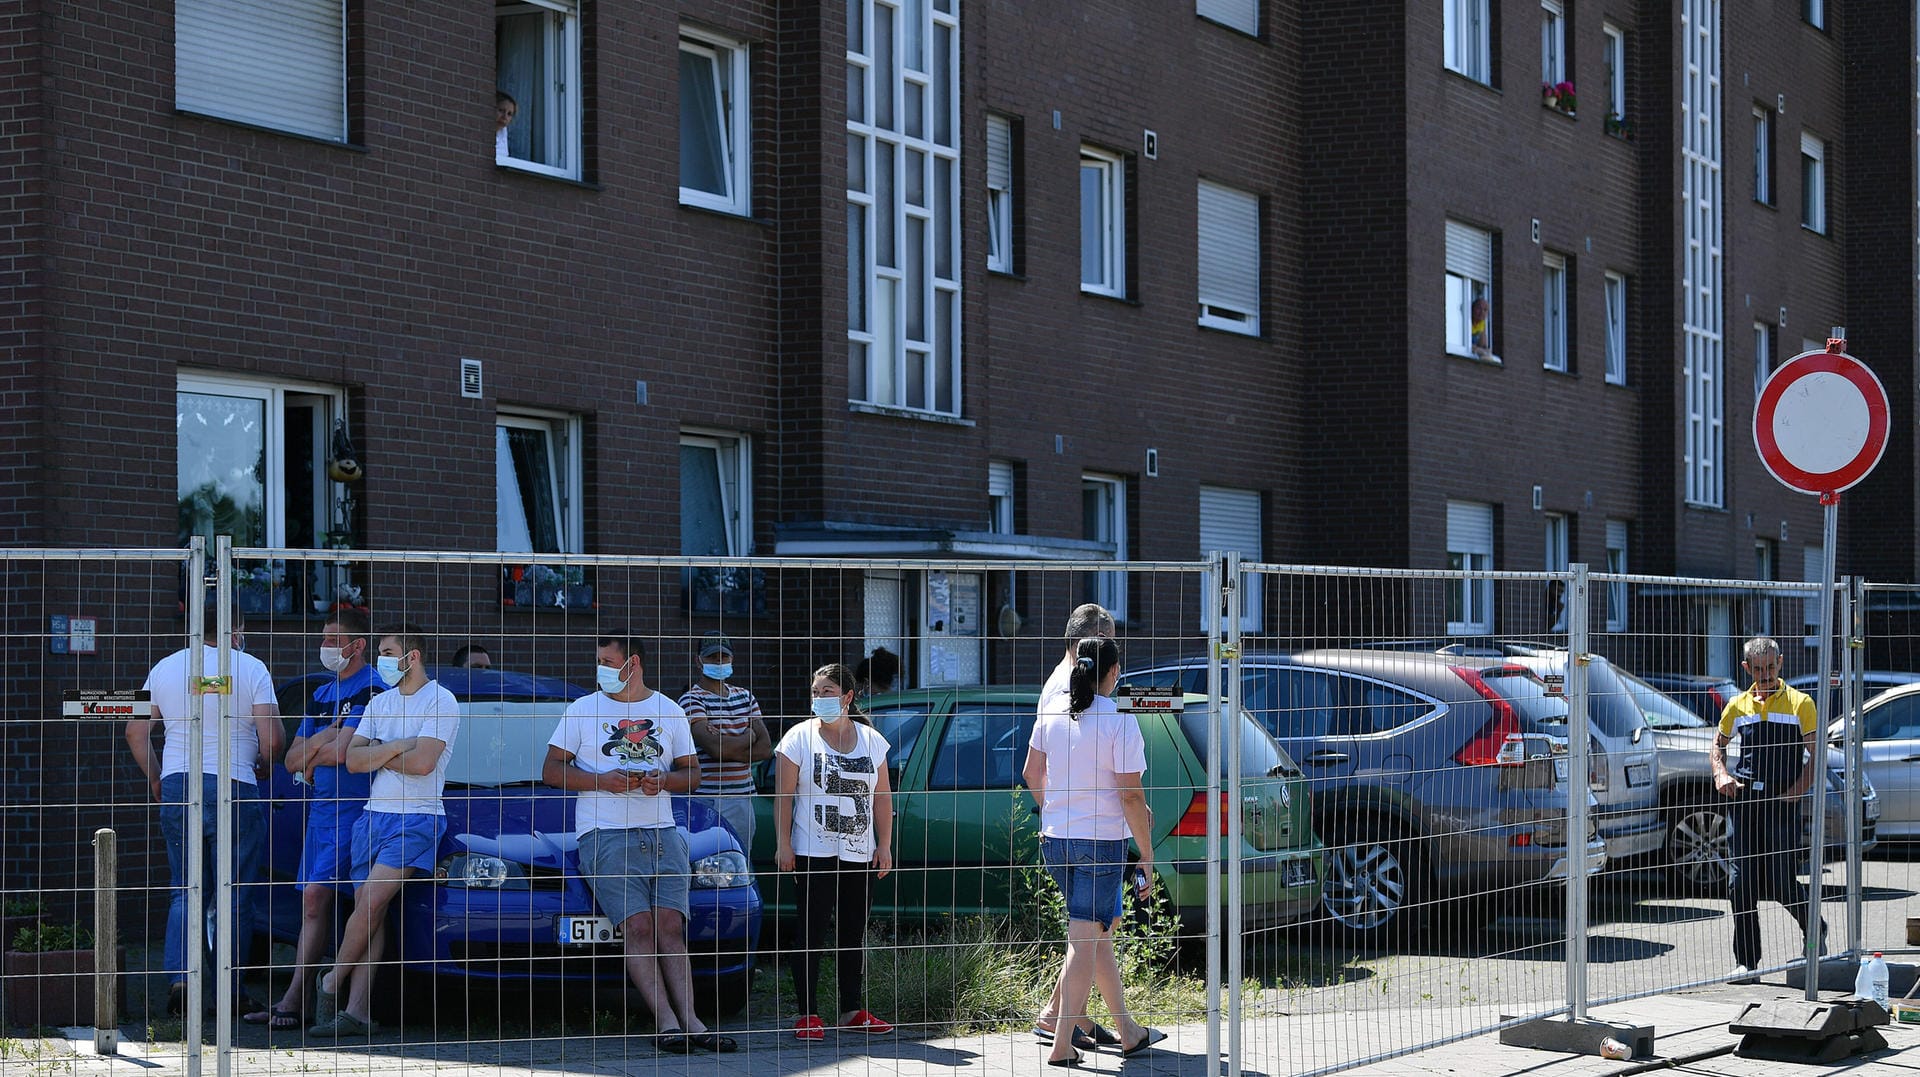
<point>1580,770</point>
<point>1822,699</point>
<point>1853,665</point>
<point>226,902</point>
<point>1230,729</point>
<point>1216,602</point>
<point>193,944</point>
<point>106,939</point>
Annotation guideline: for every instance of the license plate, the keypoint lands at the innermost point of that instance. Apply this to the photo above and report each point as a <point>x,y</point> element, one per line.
<point>1639,774</point>
<point>588,931</point>
<point>1560,769</point>
<point>1873,810</point>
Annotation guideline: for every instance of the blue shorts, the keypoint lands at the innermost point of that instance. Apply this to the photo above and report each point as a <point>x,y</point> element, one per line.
<point>396,840</point>
<point>1088,872</point>
<point>636,870</point>
<point>326,857</point>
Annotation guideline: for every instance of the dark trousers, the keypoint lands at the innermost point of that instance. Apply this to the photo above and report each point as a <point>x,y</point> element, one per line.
<point>1765,843</point>
<point>832,895</point>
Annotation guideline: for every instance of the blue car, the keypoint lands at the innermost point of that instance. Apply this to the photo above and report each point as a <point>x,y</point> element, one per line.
<point>507,902</point>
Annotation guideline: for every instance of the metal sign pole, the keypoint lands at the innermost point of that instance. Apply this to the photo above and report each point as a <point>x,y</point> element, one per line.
<point>1817,839</point>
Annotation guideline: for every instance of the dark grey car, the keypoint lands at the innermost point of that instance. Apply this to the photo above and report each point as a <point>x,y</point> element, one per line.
<point>1429,783</point>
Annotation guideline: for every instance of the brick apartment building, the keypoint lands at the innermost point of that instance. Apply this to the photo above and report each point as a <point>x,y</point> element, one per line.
<point>937,278</point>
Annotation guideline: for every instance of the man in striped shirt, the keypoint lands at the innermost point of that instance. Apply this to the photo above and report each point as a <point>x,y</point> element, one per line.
<point>729,733</point>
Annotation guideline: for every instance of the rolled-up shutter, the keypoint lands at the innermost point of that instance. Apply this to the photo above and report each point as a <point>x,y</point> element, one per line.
<point>1469,252</point>
<point>999,154</point>
<point>1469,527</point>
<point>1242,15</point>
<point>1229,255</point>
<point>275,63</point>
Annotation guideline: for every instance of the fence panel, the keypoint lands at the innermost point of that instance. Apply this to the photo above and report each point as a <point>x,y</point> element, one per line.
<point>1885,732</point>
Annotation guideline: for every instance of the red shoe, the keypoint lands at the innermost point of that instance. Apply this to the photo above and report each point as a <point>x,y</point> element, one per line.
<point>865,1021</point>
<point>809,1028</point>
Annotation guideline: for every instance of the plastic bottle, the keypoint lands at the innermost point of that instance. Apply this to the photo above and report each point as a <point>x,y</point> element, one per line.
<point>1871,980</point>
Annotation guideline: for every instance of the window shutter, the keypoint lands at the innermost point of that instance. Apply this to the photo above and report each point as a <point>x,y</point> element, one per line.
<point>1229,226</point>
<point>1242,15</point>
<point>1230,520</point>
<point>1616,534</point>
<point>999,154</point>
<point>999,478</point>
<point>1469,252</point>
<point>1469,527</point>
<point>276,63</point>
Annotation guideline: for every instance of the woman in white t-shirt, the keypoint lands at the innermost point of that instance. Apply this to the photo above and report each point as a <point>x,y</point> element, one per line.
<point>1084,764</point>
<point>833,823</point>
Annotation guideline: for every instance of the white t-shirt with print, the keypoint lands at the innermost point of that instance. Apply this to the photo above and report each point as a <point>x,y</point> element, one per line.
<point>173,699</point>
<point>833,799</point>
<point>393,715</point>
<point>1083,755</point>
<point>606,734</point>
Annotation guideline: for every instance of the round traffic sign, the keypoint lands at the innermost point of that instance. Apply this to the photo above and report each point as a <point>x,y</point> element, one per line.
<point>1821,423</point>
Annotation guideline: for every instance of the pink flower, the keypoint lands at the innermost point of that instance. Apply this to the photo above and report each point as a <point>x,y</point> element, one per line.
<point>1564,88</point>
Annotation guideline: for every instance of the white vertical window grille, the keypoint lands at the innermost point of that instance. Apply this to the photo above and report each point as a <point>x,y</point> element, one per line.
<point>1616,329</point>
<point>1617,565</point>
<point>537,63</point>
<point>1763,154</point>
<point>281,65</point>
<point>1230,521</point>
<point>1762,356</point>
<point>714,137</point>
<point>1553,42</point>
<point>1465,27</point>
<point>1614,53</point>
<point>1103,517</point>
<point>1702,224</point>
<point>1000,497</point>
<point>1554,308</point>
<point>1469,291</point>
<point>1103,222</point>
<point>1813,183</point>
<point>999,194</point>
<point>903,205</point>
<point>1469,549</point>
<point>1229,259</point>
<point>1242,15</point>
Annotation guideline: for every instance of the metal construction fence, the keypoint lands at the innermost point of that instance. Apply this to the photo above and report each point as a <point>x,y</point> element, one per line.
<point>1390,809</point>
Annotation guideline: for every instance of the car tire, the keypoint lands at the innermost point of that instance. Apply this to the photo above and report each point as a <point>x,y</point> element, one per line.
<point>1371,891</point>
<point>724,997</point>
<point>1698,856</point>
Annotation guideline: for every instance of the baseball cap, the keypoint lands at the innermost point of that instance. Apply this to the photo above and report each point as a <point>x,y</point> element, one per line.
<point>715,642</point>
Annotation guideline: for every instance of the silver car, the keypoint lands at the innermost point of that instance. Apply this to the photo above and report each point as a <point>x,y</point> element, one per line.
<point>1890,747</point>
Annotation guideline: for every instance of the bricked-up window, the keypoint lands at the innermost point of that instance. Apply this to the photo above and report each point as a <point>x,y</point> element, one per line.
<point>715,165</point>
<point>1229,259</point>
<point>1467,28</point>
<point>1763,347</point>
<point>1103,222</point>
<point>1000,203</point>
<point>1554,328</point>
<point>537,469</point>
<point>903,205</point>
<point>280,64</point>
<point>1242,15</point>
<point>1469,549</point>
<point>537,63</point>
<point>1553,42</point>
<point>1813,183</point>
<point>1103,519</point>
<point>1763,154</point>
<point>1470,292</point>
<point>1616,329</point>
<point>1617,565</point>
<point>1613,48</point>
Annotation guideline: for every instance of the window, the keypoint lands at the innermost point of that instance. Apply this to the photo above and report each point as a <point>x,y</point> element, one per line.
<point>999,194</point>
<point>1230,520</point>
<point>1469,291</point>
<point>1766,566</point>
<point>537,63</point>
<point>1229,262</point>
<point>1616,329</point>
<point>1703,317</point>
<point>1469,549</point>
<point>1617,565</point>
<point>903,205</point>
<point>537,483</point>
<point>1103,222</point>
<point>1815,13</point>
<point>982,747</point>
<point>1000,495</point>
<point>1557,556</point>
<point>1554,314</point>
<point>1762,356</point>
<point>281,65</point>
<point>1813,569</point>
<point>1553,42</point>
<point>715,157</point>
<point>1613,47</point>
<point>1103,519</point>
<point>1813,183</point>
<point>1465,25</point>
<point>716,520</point>
<point>1763,154</point>
<point>1242,15</point>
<point>252,459</point>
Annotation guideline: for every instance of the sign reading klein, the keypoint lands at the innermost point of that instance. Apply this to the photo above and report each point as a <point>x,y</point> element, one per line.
<point>116,705</point>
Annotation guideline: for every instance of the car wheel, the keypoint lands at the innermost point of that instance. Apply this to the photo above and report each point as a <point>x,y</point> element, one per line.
<point>726,996</point>
<point>1368,892</point>
<point>1698,854</point>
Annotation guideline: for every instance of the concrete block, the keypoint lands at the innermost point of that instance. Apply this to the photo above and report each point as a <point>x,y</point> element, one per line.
<point>1578,1037</point>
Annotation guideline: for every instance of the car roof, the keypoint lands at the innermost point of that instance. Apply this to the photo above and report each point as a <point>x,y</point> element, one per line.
<point>487,684</point>
<point>1891,694</point>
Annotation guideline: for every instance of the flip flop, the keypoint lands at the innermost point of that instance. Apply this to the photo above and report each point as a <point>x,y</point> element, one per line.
<point>1081,1037</point>
<point>1065,1062</point>
<point>1152,1037</point>
<point>709,1041</point>
<point>1101,1036</point>
<point>675,1042</point>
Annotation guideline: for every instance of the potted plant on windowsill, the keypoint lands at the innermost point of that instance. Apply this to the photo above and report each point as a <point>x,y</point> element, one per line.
<point>1559,96</point>
<point>1619,126</point>
<point>49,976</point>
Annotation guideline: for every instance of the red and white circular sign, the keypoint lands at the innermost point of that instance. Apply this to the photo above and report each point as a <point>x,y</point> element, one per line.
<point>1821,423</point>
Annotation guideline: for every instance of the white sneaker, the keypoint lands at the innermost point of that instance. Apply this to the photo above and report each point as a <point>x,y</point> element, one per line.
<point>1742,975</point>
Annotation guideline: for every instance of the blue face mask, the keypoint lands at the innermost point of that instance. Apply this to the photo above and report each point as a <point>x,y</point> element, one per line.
<point>826,708</point>
<point>718,671</point>
<point>609,679</point>
<point>389,669</point>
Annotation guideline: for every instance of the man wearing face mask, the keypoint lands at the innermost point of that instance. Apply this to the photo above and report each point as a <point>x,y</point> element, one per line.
<point>317,757</point>
<point>624,750</point>
<point>730,733</point>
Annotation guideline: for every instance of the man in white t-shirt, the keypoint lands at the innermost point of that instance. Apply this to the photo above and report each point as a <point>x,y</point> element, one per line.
<point>625,750</point>
<point>254,744</point>
<point>405,740</point>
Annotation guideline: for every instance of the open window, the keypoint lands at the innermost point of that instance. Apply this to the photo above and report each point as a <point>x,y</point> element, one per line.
<point>537,63</point>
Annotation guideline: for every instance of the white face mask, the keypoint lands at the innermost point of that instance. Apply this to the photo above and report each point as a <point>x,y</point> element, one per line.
<point>609,680</point>
<point>719,671</point>
<point>333,658</point>
<point>827,708</point>
<point>389,669</point>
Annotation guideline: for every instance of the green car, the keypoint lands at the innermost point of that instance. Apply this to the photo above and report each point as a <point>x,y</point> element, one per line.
<point>964,823</point>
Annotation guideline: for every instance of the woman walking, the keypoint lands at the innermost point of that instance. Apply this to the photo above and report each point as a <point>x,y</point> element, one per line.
<point>1083,766</point>
<point>833,823</point>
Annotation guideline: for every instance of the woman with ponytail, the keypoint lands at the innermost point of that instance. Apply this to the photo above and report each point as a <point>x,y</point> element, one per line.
<point>1084,765</point>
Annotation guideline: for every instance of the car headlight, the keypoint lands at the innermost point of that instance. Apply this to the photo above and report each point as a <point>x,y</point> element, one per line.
<point>723,869</point>
<point>477,871</point>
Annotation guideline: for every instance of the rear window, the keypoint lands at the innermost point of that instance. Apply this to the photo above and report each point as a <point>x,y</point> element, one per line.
<point>1661,710</point>
<point>1301,703</point>
<point>1528,695</point>
<point>1259,755</point>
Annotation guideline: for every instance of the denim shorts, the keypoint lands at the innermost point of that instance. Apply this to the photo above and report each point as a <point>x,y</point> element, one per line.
<point>1088,872</point>
<point>637,870</point>
<point>396,839</point>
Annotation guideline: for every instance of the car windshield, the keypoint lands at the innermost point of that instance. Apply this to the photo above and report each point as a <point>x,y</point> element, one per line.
<point>1259,754</point>
<point>502,742</point>
<point>1660,709</point>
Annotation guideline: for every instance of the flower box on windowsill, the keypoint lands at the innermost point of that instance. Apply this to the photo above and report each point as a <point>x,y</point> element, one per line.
<point>542,587</point>
<point>263,599</point>
<point>739,591</point>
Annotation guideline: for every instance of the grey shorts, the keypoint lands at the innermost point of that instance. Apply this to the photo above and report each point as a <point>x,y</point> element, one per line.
<point>632,870</point>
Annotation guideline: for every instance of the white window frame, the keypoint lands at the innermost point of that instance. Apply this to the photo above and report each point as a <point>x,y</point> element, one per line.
<point>1470,539</point>
<point>999,194</point>
<point>1000,497</point>
<point>1813,570</point>
<point>1616,299</point>
<point>1557,555</point>
<point>1553,42</point>
<point>732,98</point>
<point>904,312</point>
<point>1617,565</point>
<point>1764,345</point>
<point>1555,347</point>
<point>733,456</point>
<point>1108,588</point>
<point>1614,55</point>
<point>276,397</point>
<point>558,101</point>
<point>1241,15</point>
<point>1763,155</point>
<point>1766,566</point>
<point>1105,222</point>
<point>1703,313</point>
<point>1465,29</point>
<point>564,462</point>
<point>1469,278</point>
<point>1813,183</point>
<point>1233,520</point>
<point>283,66</point>
<point>1229,258</point>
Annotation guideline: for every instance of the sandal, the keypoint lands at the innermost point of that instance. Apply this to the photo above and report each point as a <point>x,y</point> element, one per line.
<point>710,1041</point>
